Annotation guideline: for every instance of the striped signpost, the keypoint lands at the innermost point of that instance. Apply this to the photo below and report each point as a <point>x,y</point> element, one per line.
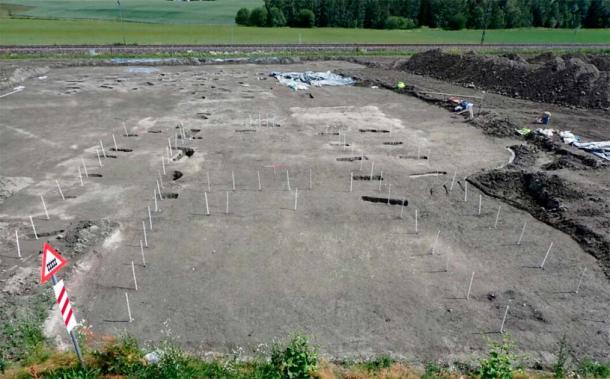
<point>52,262</point>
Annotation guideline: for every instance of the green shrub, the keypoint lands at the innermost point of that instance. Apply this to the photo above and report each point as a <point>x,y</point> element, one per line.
<point>559,368</point>
<point>276,17</point>
<point>120,357</point>
<point>499,362</point>
<point>295,360</point>
<point>381,362</point>
<point>306,18</point>
<point>396,22</point>
<point>242,17</point>
<point>73,373</point>
<point>258,16</point>
<point>589,368</point>
<point>433,371</point>
<point>456,22</point>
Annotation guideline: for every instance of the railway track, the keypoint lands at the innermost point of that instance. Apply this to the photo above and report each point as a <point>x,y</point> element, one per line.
<point>126,49</point>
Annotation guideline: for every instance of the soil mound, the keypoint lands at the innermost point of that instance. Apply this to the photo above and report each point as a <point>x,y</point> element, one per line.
<point>582,214</point>
<point>569,80</point>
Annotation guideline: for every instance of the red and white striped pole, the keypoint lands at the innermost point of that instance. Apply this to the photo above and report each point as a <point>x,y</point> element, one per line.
<point>66,313</point>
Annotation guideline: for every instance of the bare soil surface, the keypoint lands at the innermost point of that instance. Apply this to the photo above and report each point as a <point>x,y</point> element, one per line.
<point>346,266</point>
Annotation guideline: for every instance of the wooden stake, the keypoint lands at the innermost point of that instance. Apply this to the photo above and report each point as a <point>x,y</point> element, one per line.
<point>155,197</point>
<point>116,147</point>
<point>45,207</point>
<point>19,246</point>
<point>84,167</point>
<point>97,151</point>
<point>149,217</point>
<point>142,253</point>
<point>504,319</point>
<point>546,256</point>
<point>103,151</point>
<point>582,274</point>
<point>160,179</point>
<point>258,175</point>
<point>389,193</point>
<point>227,206</point>
<point>480,202</point>
<point>208,175</point>
<point>59,189</point>
<point>33,227</point>
<point>497,217</point>
<point>452,181</point>
<point>465,191</point>
<point>416,230</point>
<point>296,198</point>
<point>144,230</point>
<point>169,143</point>
<point>435,241</point>
<point>128,307</point>
<point>372,169</point>
<point>288,180</point>
<point>159,190</point>
<point>125,129</point>
<point>163,164</point>
<point>207,208</point>
<point>522,232</point>
<point>233,179</point>
<point>402,208</point>
<point>133,271</point>
<point>470,286</point>
<point>80,177</point>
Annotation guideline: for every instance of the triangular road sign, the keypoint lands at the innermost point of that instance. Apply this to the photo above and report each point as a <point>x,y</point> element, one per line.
<point>51,263</point>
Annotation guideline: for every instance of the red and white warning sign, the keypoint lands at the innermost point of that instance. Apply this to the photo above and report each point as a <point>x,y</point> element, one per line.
<point>51,263</point>
<point>64,305</point>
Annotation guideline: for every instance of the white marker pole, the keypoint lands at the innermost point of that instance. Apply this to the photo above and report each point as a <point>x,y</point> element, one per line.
<point>497,217</point>
<point>128,307</point>
<point>435,241</point>
<point>480,201</point>
<point>372,169</point>
<point>97,151</point>
<point>389,193</point>
<point>163,164</point>
<point>133,271</point>
<point>84,167</point>
<point>416,229</point>
<point>155,197</point>
<point>80,177</point>
<point>296,198</point>
<point>45,207</point>
<point>351,181</point>
<point>452,181</point>
<point>207,208</point>
<point>522,233</point>
<point>470,286</point>
<point>19,246</point>
<point>546,256</point>
<point>116,147</point>
<point>59,189</point>
<point>159,190</point>
<point>144,229</point>
<point>208,175</point>
<point>465,191</point>
<point>142,252</point>
<point>160,178</point>
<point>380,179</point>
<point>258,174</point>
<point>402,209</point>
<point>149,217</point>
<point>227,206</point>
<point>504,319</point>
<point>233,179</point>
<point>125,129</point>
<point>33,227</point>
<point>310,179</point>
<point>103,151</point>
<point>169,143</point>
<point>582,274</point>
<point>288,180</point>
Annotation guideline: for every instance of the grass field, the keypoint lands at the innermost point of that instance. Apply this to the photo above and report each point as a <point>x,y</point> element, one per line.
<point>28,31</point>
<point>149,11</point>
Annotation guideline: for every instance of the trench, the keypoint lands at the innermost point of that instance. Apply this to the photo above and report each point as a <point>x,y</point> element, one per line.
<point>385,200</point>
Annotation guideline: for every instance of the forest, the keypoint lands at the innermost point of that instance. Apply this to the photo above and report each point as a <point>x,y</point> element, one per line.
<point>446,14</point>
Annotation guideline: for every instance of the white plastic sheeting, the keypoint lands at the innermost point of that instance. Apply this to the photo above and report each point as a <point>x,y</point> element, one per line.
<point>302,80</point>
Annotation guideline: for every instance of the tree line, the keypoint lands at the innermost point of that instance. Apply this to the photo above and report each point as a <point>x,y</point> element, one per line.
<point>446,14</point>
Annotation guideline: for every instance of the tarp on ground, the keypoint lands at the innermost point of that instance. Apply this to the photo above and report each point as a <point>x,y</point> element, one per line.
<point>600,149</point>
<point>302,80</point>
